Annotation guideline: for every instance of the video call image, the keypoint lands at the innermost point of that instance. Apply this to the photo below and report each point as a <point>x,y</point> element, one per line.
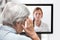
<point>42,17</point>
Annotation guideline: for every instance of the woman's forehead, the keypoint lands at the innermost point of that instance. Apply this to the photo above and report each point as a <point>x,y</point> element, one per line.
<point>38,12</point>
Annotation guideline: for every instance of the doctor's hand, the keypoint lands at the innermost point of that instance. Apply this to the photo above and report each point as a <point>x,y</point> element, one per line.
<point>29,29</point>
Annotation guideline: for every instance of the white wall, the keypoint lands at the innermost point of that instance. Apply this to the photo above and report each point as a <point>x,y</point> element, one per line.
<point>33,1</point>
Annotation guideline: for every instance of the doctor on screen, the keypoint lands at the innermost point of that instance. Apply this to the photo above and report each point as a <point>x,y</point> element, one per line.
<point>39,26</point>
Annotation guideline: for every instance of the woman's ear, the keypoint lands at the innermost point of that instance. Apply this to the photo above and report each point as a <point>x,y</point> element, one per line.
<point>17,23</point>
<point>25,19</point>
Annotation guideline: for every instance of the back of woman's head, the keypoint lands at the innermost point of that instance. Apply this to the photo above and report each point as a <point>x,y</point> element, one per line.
<point>14,12</point>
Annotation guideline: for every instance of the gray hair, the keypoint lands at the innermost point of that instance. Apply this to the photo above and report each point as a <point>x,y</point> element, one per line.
<point>14,12</point>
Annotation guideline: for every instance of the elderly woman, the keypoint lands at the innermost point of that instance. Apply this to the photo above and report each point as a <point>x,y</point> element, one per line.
<point>15,20</point>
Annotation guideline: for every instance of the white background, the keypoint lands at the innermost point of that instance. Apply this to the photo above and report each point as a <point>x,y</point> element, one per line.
<point>56,21</point>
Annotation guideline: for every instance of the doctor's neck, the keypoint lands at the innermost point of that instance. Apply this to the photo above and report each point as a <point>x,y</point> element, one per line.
<point>38,22</point>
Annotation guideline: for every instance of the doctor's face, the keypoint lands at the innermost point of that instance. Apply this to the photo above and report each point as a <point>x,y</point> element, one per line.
<point>38,14</point>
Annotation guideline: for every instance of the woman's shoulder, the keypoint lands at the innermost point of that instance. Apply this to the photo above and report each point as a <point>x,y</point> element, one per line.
<point>14,36</point>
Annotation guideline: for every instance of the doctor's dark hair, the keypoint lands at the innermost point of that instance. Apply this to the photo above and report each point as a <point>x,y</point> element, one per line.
<point>37,8</point>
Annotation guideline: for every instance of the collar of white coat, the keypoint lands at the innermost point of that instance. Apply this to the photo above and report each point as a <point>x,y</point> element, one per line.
<point>41,25</point>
